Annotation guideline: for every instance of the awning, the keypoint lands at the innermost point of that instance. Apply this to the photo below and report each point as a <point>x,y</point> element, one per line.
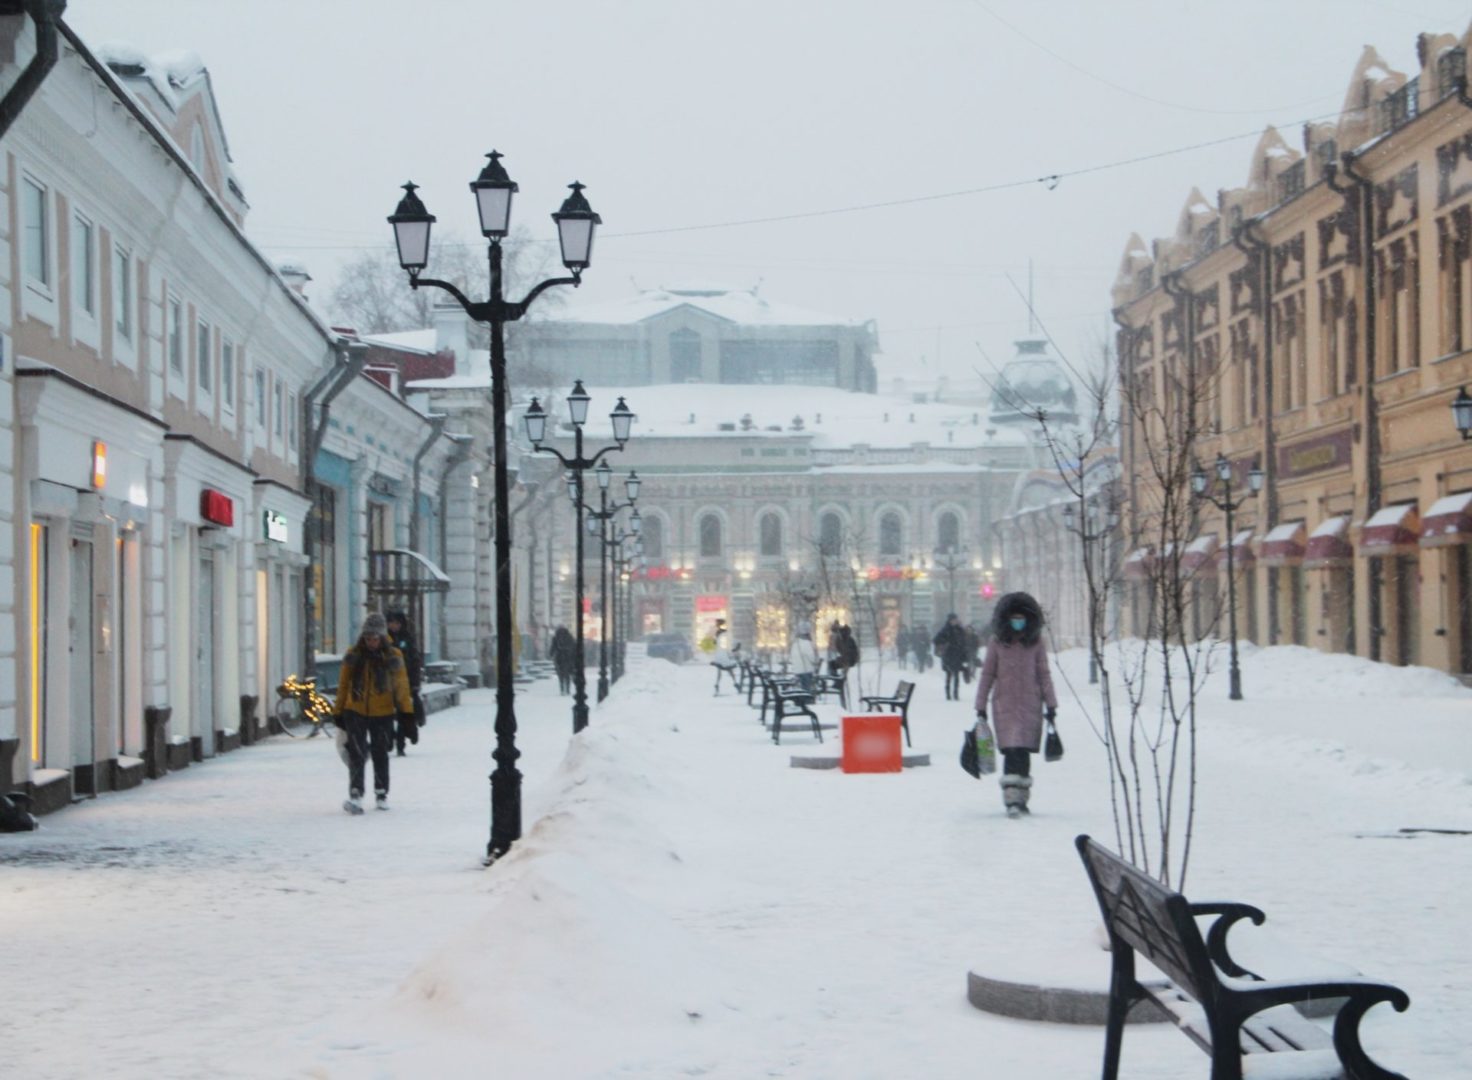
<point>1328,545</point>
<point>1199,553</point>
<point>399,572</point>
<point>1391,530</point>
<point>1449,521</point>
<point>1283,545</point>
<point>1138,564</point>
<point>1242,553</point>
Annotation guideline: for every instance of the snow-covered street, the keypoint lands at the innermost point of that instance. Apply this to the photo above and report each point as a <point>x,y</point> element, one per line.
<point>686,903</point>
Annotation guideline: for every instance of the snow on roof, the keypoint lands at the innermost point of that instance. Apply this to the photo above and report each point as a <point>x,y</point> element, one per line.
<point>1334,526</point>
<point>413,340</point>
<point>734,305</point>
<point>1390,515</point>
<point>1287,531</point>
<point>474,373</point>
<point>831,417</point>
<point>167,72</point>
<point>1450,504</point>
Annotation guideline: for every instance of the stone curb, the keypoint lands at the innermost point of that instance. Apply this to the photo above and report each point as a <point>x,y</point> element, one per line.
<point>826,761</point>
<point>1025,1001</point>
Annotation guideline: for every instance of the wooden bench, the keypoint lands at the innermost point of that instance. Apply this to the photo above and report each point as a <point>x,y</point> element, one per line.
<point>786,699</point>
<point>898,702</point>
<point>1226,1010</point>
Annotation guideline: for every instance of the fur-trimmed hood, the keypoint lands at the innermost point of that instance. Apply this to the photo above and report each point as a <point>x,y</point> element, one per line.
<point>1017,603</point>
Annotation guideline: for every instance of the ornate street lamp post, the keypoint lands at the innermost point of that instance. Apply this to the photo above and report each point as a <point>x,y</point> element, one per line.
<point>1201,486</point>
<point>604,517</point>
<point>536,430</point>
<point>576,224</point>
<point>1462,413</point>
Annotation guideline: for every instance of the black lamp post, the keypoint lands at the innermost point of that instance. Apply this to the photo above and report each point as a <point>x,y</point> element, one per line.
<point>950,560</point>
<point>1089,533</point>
<point>603,516</point>
<point>536,430</point>
<point>576,223</point>
<point>1201,486</point>
<point>1462,412</point>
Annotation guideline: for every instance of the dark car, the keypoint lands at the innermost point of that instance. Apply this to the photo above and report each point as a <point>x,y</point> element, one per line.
<point>672,647</point>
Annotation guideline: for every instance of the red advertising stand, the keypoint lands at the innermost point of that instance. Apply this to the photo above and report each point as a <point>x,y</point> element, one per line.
<point>871,743</point>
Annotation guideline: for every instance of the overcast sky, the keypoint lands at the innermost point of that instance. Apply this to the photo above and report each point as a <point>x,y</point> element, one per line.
<point>684,114</point>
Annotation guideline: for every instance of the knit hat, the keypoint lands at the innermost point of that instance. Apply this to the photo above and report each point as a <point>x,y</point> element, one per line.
<point>374,624</point>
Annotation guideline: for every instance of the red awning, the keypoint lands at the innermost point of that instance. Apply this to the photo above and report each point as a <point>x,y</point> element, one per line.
<point>1392,529</point>
<point>1199,554</point>
<point>1328,545</point>
<point>1283,545</point>
<point>1242,553</point>
<point>1138,564</point>
<point>1449,521</point>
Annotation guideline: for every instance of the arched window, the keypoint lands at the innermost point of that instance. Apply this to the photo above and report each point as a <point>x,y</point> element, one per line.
<point>684,356</point>
<point>771,535</point>
<point>830,534</point>
<point>652,537</point>
<point>948,532</point>
<point>891,534</point>
<point>710,536</point>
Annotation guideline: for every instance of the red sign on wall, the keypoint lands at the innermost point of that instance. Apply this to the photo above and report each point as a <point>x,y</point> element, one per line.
<point>710,603</point>
<point>216,507</point>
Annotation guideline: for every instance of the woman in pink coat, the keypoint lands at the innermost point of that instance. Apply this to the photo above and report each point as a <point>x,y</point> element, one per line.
<point>1017,685</point>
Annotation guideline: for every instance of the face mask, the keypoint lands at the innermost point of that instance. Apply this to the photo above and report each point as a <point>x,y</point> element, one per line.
<point>1017,624</point>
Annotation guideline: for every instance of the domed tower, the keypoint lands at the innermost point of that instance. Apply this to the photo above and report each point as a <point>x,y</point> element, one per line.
<point>1032,381</point>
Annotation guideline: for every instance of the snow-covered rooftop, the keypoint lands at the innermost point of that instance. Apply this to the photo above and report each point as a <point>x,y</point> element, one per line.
<point>742,306</point>
<point>831,418</point>
<point>412,340</point>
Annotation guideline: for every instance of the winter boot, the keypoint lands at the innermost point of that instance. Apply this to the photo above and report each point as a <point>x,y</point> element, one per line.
<point>381,800</point>
<point>353,804</point>
<point>1014,793</point>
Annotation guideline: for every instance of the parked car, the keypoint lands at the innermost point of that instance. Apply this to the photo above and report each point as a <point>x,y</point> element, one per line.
<point>672,647</point>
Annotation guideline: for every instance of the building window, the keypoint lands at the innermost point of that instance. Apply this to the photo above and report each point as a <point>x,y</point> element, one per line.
<point>1209,381</point>
<point>280,425</point>
<point>1454,238</point>
<point>684,356</point>
<point>260,388</point>
<point>1451,69</point>
<point>771,535</point>
<point>652,536</point>
<point>948,532</point>
<point>891,534</point>
<point>37,232</point>
<point>1244,371</point>
<point>1288,390</point>
<point>84,265</point>
<point>830,534</point>
<point>204,359</point>
<point>227,376</point>
<point>291,421</point>
<point>1400,305</point>
<point>1336,335</point>
<point>322,521</point>
<point>780,362</point>
<point>1290,181</point>
<point>122,293</point>
<point>710,537</point>
<point>176,336</point>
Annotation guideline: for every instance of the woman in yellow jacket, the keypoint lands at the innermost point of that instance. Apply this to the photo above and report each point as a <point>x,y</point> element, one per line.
<point>372,692</point>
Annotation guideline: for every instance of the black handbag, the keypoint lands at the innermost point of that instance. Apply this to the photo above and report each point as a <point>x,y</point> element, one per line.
<point>969,759</point>
<point>1053,744</point>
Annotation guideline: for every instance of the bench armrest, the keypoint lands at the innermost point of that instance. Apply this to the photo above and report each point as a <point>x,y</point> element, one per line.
<point>1228,913</point>
<point>1361,995</point>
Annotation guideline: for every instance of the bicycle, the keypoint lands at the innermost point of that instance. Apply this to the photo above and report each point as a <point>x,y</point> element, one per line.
<point>301,711</point>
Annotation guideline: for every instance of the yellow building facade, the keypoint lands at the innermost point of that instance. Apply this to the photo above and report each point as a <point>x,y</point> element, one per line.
<point>1317,323</point>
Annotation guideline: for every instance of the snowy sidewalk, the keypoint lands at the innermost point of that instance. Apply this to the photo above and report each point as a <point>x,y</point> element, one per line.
<point>686,903</point>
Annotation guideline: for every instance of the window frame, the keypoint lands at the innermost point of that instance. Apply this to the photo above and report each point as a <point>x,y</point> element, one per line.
<point>83,233</point>
<point>42,281</point>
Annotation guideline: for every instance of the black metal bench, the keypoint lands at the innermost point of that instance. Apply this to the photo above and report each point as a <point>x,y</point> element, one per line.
<point>827,683</point>
<point>1226,1010</point>
<point>898,702</point>
<point>786,699</point>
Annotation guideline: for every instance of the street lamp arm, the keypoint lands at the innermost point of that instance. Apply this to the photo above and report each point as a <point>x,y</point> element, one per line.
<point>474,310</point>
<point>596,458</point>
<point>515,310</point>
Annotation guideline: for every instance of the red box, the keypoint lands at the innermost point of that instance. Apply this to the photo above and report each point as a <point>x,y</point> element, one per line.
<point>871,743</point>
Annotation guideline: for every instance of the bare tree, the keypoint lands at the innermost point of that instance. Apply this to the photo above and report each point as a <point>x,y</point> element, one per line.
<point>1151,743</point>
<point>373,296</point>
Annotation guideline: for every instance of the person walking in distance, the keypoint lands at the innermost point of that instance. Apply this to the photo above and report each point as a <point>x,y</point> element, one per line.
<point>1017,686</point>
<point>950,646</point>
<point>401,637</point>
<point>564,652</point>
<point>372,692</point>
<point>802,658</point>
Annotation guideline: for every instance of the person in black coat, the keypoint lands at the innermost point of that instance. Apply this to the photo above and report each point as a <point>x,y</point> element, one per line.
<point>950,645</point>
<point>564,653</point>
<point>402,637</point>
